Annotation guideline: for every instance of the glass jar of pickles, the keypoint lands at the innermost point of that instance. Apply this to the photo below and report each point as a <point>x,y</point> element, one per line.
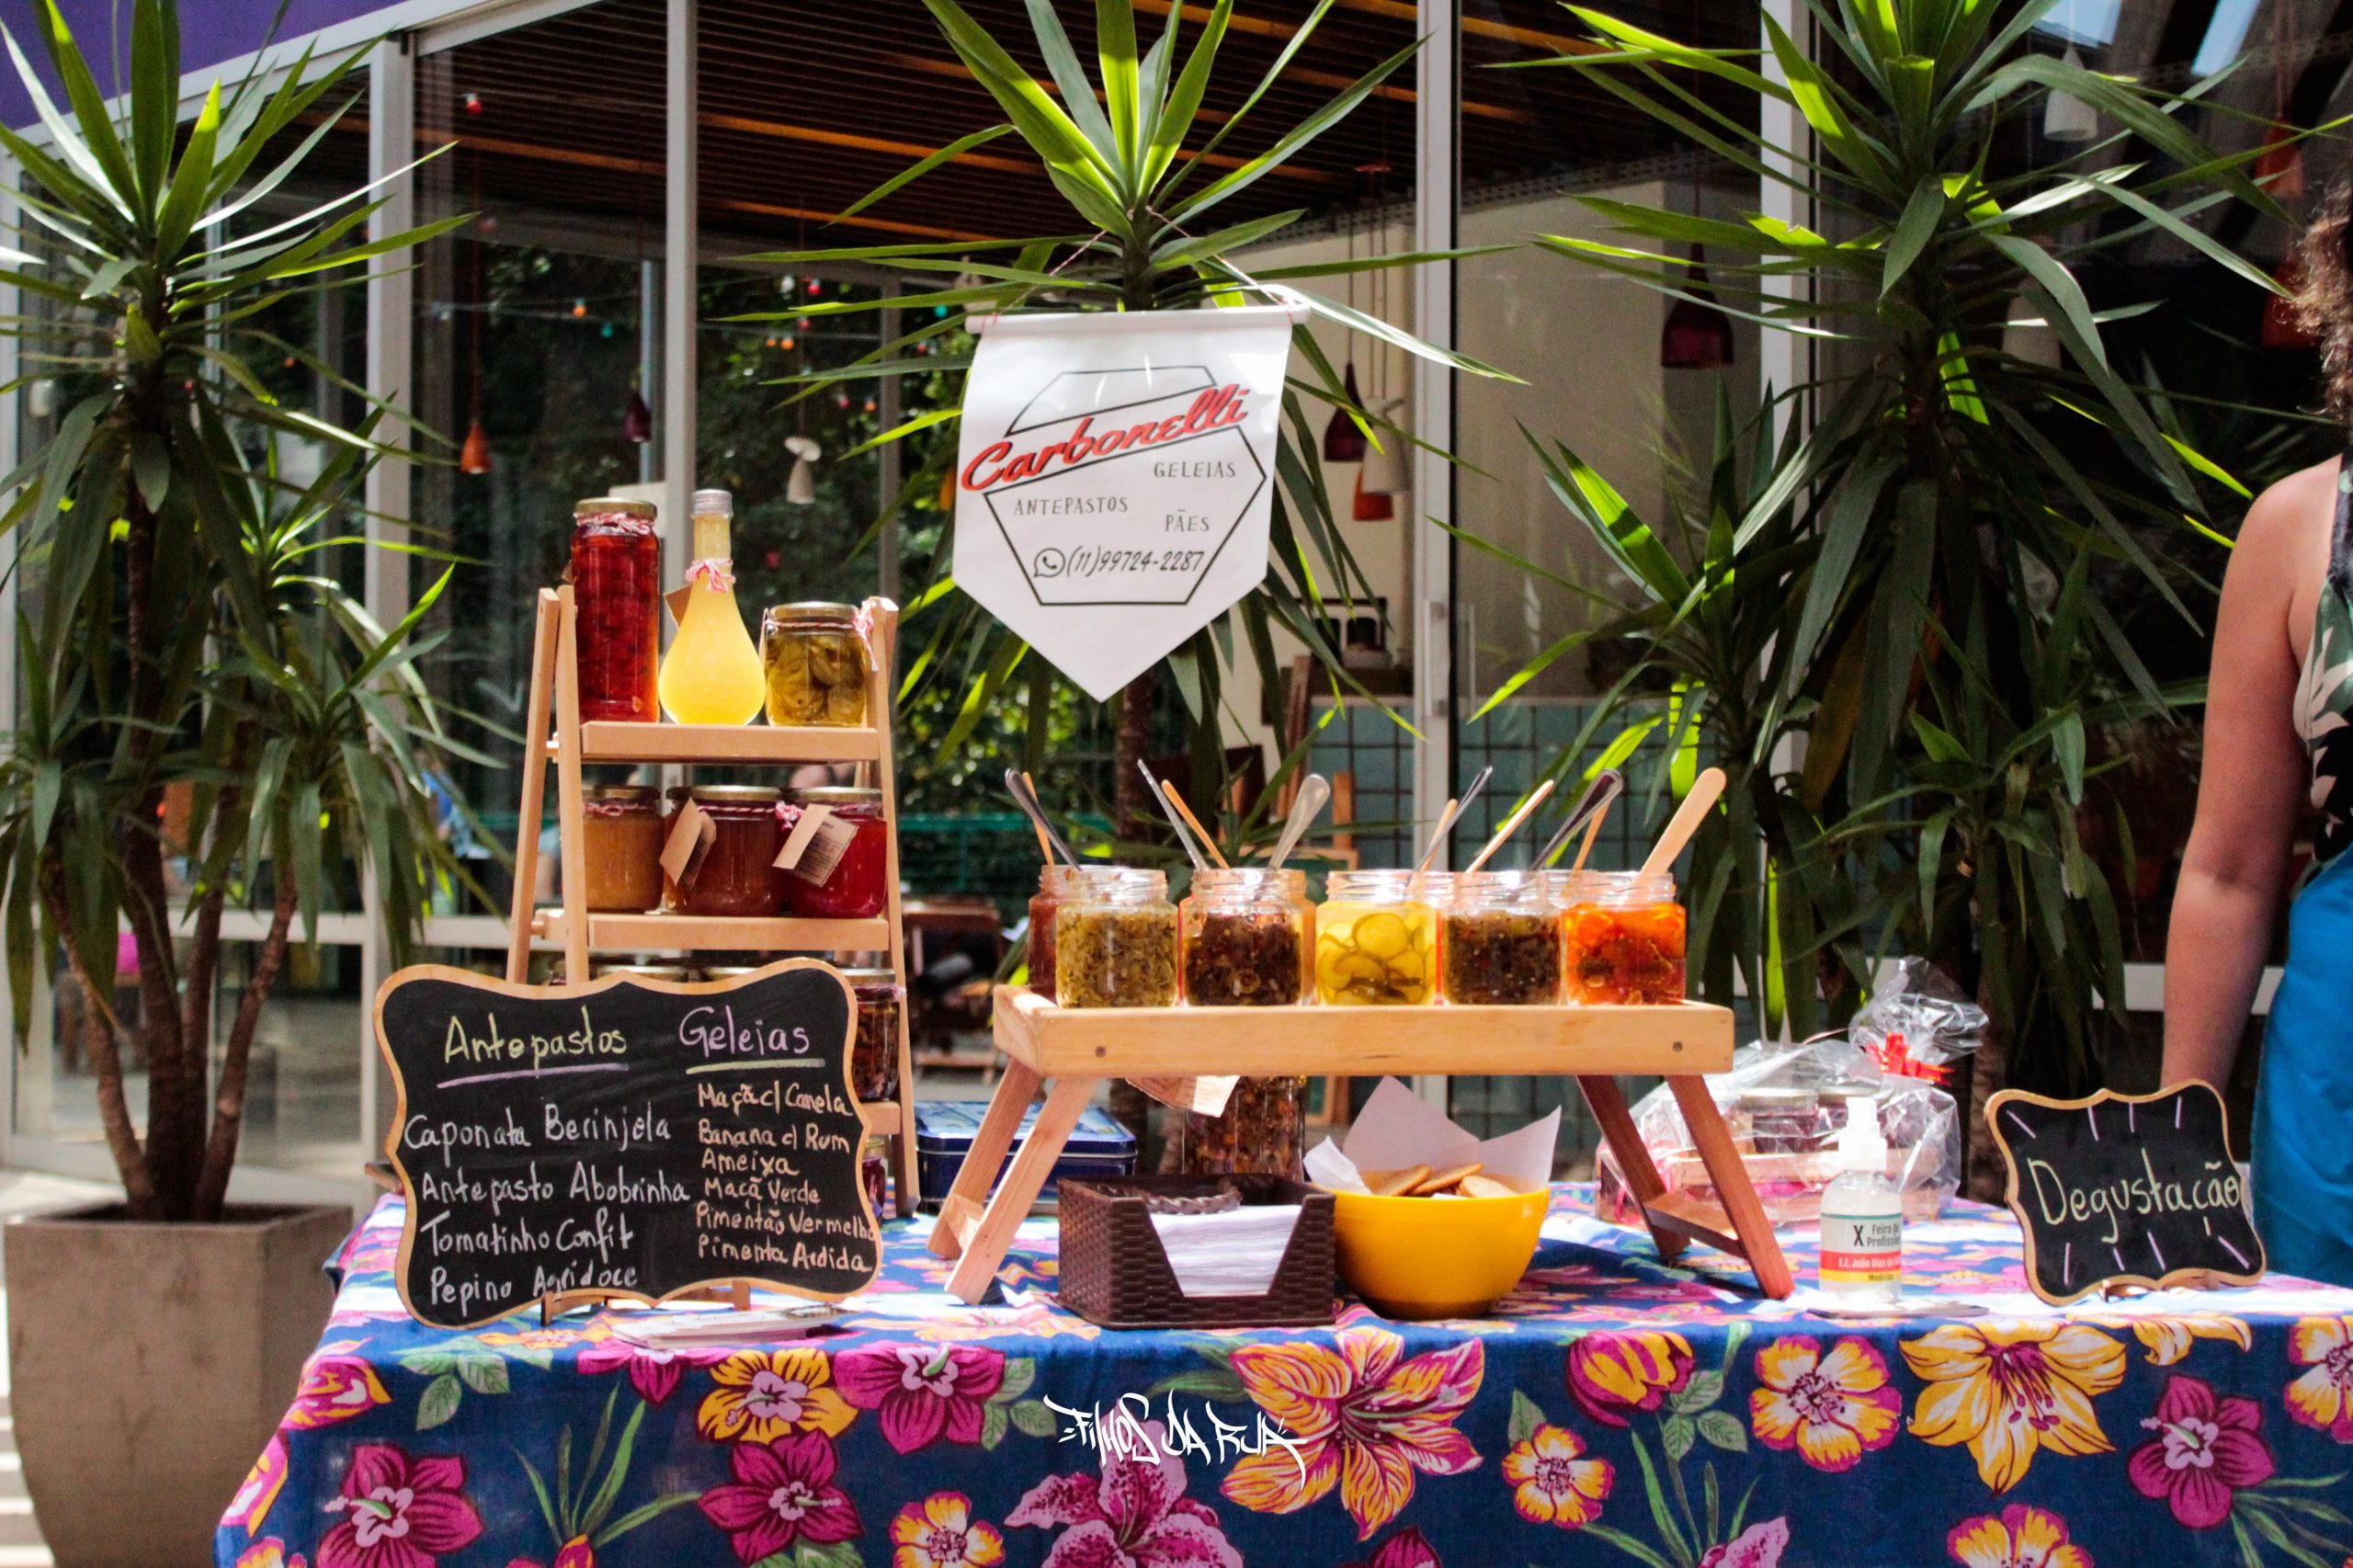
<point>1376,941</point>
<point>853,884</point>
<point>813,657</point>
<point>1115,941</point>
<point>1502,940</point>
<point>620,829</point>
<point>733,872</point>
<point>1246,937</point>
<point>874,1047</point>
<point>616,578</point>
<point>1263,1128</point>
<point>1056,884</point>
<point>1621,939</point>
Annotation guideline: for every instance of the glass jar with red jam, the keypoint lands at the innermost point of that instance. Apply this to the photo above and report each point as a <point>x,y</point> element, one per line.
<point>616,580</point>
<point>852,882</point>
<point>874,1047</point>
<point>734,874</point>
<point>1057,885</point>
<point>1621,939</point>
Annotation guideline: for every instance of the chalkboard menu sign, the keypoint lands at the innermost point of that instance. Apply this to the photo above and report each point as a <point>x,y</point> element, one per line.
<point>628,1137</point>
<point>2125,1189</point>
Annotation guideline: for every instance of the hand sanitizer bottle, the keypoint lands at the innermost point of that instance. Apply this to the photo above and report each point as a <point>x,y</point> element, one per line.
<point>1862,1216</point>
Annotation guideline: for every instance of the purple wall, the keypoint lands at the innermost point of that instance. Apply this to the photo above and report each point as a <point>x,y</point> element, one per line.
<point>210,31</point>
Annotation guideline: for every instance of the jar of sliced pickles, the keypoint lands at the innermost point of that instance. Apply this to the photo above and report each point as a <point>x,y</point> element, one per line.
<point>1057,883</point>
<point>1115,941</point>
<point>1246,939</point>
<point>1621,939</point>
<point>1502,940</point>
<point>813,657</point>
<point>1376,941</point>
<point>1263,1128</point>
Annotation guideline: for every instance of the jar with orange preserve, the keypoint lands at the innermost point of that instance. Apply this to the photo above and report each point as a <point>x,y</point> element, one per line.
<point>843,872</point>
<point>616,578</point>
<point>620,827</point>
<point>874,1049</point>
<point>1621,939</point>
<point>734,873</point>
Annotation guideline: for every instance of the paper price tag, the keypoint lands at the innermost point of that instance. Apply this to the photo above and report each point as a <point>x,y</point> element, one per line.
<point>691,832</point>
<point>1202,1096</point>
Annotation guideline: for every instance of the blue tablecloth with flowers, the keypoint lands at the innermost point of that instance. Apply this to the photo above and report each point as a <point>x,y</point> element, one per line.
<point>1610,1411</point>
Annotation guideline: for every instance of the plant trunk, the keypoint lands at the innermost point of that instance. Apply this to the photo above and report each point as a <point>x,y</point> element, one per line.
<point>1985,1175</point>
<point>229,1096</point>
<point>106,1057</point>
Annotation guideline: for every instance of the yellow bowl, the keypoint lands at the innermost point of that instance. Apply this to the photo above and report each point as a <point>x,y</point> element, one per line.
<point>1435,1257</point>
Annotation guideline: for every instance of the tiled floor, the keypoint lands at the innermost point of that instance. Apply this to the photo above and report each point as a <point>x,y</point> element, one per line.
<point>25,1192</point>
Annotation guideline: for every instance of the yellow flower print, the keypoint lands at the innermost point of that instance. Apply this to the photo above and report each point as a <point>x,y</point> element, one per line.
<point>2166,1338</point>
<point>2323,1397</point>
<point>1833,1409</point>
<point>2019,1537</point>
<point>1556,1483</point>
<point>2007,1387</point>
<point>940,1532</point>
<point>767,1394</point>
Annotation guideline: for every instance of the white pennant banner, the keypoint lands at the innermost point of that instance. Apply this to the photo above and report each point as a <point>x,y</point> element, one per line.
<point>1116,477</point>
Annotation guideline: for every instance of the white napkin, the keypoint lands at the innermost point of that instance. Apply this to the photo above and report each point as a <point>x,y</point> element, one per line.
<point>1234,1253</point>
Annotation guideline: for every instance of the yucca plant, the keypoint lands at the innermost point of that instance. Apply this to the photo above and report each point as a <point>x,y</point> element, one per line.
<point>183,631</point>
<point>1948,485</point>
<point>1144,192</point>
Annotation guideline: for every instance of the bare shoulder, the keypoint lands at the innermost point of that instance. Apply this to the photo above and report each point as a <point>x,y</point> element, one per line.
<point>2282,553</point>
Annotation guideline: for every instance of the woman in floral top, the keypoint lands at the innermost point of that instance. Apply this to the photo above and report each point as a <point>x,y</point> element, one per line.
<point>2279,726</point>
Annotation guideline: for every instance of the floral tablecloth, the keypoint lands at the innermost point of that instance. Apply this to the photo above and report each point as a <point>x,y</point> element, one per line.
<point>1610,1411</point>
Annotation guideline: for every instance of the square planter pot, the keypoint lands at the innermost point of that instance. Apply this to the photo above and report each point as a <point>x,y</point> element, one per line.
<point>151,1363</point>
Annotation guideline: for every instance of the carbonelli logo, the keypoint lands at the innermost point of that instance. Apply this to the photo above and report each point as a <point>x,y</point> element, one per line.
<point>1120,487</point>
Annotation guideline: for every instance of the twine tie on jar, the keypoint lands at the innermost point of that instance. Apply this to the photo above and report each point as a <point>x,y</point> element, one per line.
<point>718,573</point>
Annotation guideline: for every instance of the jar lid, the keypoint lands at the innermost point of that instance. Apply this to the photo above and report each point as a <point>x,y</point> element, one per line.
<point>621,793</point>
<point>871,977</point>
<point>640,971</point>
<point>717,794</point>
<point>834,795</point>
<point>815,609</point>
<point>607,505</point>
<point>709,503</point>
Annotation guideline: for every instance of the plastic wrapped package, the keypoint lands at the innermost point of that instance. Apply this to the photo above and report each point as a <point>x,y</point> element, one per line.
<point>1785,1106</point>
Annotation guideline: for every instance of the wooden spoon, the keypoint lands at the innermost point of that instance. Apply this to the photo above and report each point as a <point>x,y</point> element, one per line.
<point>1686,822</point>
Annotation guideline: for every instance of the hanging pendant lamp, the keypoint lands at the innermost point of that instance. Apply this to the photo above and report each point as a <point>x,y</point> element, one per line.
<point>801,485</point>
<point>474,456</point>
<point>2280,167</point>
<point>2066,118</point>
<point>1343,442</point>
<point>1372,506</point>
<point>1697,335</point>
<point>2027,336</point>
<point>1388,469</point>
<point>637,419</point>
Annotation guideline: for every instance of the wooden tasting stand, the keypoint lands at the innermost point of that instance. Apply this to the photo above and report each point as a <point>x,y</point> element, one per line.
<point>1076,1049</point>
<point>556,733</point>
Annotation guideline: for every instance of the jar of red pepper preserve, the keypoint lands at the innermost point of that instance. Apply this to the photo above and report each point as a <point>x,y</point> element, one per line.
<point>617,602</point>
<point>855,887</point>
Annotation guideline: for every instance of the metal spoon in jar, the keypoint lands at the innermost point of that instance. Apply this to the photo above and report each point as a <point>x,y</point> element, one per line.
<point>1036,815</point>
<point>1597,795</point>
<point>1314,793</point>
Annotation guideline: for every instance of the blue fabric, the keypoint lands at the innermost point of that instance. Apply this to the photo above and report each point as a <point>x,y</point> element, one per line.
<point>1611,1409</point>
<point>2304,1107</point>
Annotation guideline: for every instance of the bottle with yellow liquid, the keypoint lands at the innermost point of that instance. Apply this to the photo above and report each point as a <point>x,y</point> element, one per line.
<point>711,673</point>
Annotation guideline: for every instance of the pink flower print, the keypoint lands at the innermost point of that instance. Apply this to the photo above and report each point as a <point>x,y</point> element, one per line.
<point>399,1512</point>
<point>654,1374</point>
<point>263,1482</point>
<point>2205,1450</point>
<point>1612,1375</point>
<point>1408,1549</point>
<point>335,1388</point>
<point>269,1553</point>
<point>1759,1546</point>
<point>783,1492</point>
<point>1135,1515</point>
<point>922,1391</point>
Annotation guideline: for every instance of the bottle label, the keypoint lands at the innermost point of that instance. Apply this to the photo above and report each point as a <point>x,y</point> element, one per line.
<point>1862,1249</point>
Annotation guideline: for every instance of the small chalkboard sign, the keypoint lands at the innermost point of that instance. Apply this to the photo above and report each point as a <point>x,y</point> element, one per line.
<point>2125,1189</point>
<point>630,1136</point>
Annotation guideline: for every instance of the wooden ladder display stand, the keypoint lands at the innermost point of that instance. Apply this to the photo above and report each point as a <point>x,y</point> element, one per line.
<point>555,732</point>
<point>1076,1049</point>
